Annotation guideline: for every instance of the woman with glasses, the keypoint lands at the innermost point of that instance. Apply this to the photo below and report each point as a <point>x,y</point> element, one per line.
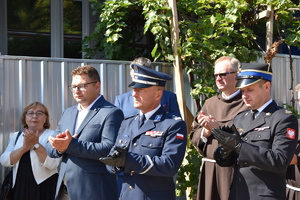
<point>34,172</point>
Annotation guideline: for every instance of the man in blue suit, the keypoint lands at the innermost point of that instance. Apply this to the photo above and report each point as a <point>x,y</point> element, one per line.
<point>86,132</point>
<point>150,145</point>
<point>125,101</point>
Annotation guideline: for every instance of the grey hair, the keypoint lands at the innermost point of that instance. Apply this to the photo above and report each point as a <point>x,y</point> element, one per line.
<point>142,61</point>
<point>234,63</point>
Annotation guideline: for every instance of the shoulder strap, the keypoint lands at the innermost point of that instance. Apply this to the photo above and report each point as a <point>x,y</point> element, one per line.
<point>19,133</point>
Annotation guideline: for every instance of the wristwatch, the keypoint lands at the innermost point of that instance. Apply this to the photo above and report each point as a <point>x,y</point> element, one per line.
<point>37,145</point>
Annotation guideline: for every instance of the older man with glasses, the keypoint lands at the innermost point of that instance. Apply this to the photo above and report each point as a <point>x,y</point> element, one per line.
<point>219,110</point>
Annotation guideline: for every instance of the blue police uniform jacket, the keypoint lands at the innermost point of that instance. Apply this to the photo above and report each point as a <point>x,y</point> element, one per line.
<point>155,153</point>
<point>269,144</point>
<point>168,102</point>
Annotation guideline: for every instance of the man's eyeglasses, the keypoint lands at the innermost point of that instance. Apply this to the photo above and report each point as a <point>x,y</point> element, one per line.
<point>222,74</point>
<point>81,87</point>
<point>37,113</point>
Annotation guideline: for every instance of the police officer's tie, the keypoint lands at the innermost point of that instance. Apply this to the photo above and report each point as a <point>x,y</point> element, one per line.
<point>142,120</point>
<point>253,113</point>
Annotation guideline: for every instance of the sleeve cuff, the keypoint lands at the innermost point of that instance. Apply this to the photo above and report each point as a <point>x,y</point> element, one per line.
<point>204,139</point>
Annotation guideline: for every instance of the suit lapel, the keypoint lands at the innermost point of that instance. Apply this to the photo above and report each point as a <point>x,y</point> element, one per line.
<point>92,112</point>
<point>259,121</point>
<point>149,124</point>
<point>261,118</point>
<point>73,120</point>
<point>135,124</point>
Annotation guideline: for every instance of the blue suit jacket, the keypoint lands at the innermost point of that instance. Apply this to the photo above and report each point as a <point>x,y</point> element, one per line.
<point>86,176</point>
<point>168,102</point>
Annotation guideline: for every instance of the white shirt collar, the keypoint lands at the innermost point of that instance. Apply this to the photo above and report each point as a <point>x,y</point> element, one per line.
<point>230,96</point>
<point>264,106</point>
<point>150,113</point>
<point>89,107</point>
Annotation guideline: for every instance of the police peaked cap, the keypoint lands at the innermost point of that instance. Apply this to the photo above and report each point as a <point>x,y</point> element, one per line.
<point>144,77</point>
<point>252,73</point>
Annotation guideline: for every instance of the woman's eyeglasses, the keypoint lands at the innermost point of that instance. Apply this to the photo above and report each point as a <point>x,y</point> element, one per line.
<point>37,113</point>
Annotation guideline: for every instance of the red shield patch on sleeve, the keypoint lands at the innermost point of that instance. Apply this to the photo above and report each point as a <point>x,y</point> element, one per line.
<point>290,133</point>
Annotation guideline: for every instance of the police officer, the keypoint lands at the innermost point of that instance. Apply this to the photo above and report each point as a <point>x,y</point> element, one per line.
<point>261,141</point>
<point>149,150</point>
<point>125,101</point>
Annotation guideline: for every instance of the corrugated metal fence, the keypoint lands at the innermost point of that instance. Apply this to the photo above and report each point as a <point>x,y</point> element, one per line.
<point>27,79</point>
<point>282,87</point>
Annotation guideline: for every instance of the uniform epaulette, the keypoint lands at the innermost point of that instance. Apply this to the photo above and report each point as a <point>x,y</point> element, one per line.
<point>176,117</point>
<point>173,116</point>
<point>285,110</point>
<point>288,111</point>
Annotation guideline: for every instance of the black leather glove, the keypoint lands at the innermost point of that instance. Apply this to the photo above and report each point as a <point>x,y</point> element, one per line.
<point>229,141</point>
<point>221,154</point>
<point>117,158</point>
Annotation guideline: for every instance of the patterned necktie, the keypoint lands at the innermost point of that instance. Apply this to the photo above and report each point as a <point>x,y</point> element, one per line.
<point>142,120</point>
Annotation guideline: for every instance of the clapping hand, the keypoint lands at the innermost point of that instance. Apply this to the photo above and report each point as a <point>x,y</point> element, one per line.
<point>62,141</point>
<point>30,138</point>
<point>208,122</point>
<point>117,158</point>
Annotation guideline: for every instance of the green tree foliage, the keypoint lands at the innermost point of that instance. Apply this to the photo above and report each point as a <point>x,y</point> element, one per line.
<point>208,30</point>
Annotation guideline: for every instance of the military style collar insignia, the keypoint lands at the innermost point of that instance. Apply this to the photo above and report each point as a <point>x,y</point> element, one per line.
<point>154,133</point>
<point>240,130</point>
<point>157,118</point>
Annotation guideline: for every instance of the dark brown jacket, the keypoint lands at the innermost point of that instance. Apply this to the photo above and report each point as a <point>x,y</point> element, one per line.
<point>214,181</point>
